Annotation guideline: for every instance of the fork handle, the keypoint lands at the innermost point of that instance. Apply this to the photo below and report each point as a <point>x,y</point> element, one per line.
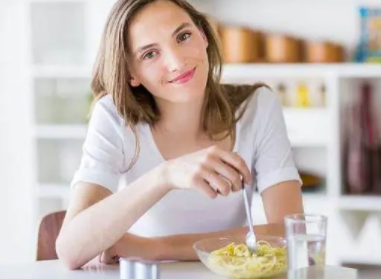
<point>247,208</point>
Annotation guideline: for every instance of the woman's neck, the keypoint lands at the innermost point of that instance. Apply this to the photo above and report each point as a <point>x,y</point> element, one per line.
<point>180,131</point>
<point>181,120</point>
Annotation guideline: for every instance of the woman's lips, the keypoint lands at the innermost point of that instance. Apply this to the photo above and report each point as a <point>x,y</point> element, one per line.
<point>185,77</point>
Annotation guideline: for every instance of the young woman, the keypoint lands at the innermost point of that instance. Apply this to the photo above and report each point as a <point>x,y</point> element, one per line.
<point>168,147</point>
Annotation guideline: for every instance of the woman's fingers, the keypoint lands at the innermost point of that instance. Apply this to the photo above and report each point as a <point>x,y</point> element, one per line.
<point>229,174</point>
<point>216,181</point>
<point>204,187</point>
<point>237,163</point>
<point>109,256</point>
<point>213,171</point>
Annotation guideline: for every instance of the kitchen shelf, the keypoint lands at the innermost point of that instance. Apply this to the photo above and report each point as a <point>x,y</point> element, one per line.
<point>57,159</point>
<point>366,249</point>
<point>62,71</point>
<point>61,131</point>
<point>360,203</point>
<point>307,127</point>
<point>251,70</point>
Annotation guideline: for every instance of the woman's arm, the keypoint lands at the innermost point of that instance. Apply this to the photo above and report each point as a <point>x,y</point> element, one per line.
<point>180,247</point>
<point>282,199</point>
<point>279,201</point>
<point>176,247</point>
<point>96,219</point>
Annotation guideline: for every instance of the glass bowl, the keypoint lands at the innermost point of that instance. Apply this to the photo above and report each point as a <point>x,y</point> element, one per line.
<point>266,263</point>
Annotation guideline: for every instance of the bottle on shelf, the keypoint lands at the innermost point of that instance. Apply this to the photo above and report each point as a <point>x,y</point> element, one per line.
<point>282,90</point>
<point>322,94</point>
<point>303,95</point>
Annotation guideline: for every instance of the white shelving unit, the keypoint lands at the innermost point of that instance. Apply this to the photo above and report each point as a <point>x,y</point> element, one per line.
<point>64,39</point>
<point>311,135</point>
<point>60,73</point>
<point>360,203</point>
<point>61,131</point>
<point>341,70</point>
<point>60,69</point>
<point>317,137</point>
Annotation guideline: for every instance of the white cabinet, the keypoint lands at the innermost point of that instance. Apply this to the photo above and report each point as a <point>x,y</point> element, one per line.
<point>60,78</point>
<point>317,137</point>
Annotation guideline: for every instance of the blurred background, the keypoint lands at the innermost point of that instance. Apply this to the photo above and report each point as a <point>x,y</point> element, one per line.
<point>321,56</point>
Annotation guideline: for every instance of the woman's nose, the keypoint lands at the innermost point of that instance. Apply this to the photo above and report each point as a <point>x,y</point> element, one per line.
<point>174,60</point>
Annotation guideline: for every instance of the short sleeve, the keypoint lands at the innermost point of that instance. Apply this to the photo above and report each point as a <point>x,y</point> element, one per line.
<point>102,153</point>
<point>273,161</point>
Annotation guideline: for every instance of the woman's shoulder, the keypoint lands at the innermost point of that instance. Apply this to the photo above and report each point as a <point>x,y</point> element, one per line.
<point>263,98</point>
<point>105,103</point>
<point>106,118</point>
<point>250,100</point>
<point>106,109</point>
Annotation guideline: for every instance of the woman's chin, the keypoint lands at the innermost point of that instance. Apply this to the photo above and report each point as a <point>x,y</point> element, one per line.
<point>186,99</point>
<point>186,94</point>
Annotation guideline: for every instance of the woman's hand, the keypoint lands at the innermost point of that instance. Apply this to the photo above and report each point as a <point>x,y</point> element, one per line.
<point>110,256</point>
<point>131,246</point>
<point>212,171</point>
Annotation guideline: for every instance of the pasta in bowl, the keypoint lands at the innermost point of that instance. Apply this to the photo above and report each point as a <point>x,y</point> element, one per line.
<point>230,257</point>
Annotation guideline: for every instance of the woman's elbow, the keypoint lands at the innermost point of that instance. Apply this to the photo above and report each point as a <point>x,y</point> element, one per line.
<point>66,256</point>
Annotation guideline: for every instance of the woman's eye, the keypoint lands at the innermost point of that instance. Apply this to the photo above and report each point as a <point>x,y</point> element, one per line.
<point>184,36</point>
<point>149,55</point>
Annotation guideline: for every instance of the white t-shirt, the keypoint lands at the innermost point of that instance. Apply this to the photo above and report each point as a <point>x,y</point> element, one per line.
<point>261,139</point>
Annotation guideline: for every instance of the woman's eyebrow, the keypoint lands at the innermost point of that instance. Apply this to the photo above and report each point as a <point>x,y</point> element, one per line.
<point>177,30</point>
<point>140,49</point>
<point>182,26</point>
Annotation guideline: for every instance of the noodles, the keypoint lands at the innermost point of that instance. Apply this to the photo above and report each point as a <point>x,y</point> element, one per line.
<point>236,261</point>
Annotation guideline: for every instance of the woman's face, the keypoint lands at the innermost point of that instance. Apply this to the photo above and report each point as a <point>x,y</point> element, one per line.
<point>168,53</point>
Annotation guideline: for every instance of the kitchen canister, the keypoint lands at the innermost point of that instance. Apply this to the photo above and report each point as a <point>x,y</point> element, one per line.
<point>323,52</point>
<point>132,268</point>
<point>281,48</point>
<point>240,44</point>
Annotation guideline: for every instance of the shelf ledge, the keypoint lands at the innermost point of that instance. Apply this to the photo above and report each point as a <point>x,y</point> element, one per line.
<point>61,131</point>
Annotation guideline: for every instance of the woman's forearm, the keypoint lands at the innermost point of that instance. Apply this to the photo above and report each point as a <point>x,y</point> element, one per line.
<point>180,247</point>
<point>98,227</point>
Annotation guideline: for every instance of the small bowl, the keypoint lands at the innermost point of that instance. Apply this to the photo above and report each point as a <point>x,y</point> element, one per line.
<point>240,267</point>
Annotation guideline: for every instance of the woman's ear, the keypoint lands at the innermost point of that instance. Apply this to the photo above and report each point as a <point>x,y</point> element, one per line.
<point>134,82</point>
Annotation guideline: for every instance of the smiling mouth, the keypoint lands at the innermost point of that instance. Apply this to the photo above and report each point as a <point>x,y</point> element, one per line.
<point>185,77</point>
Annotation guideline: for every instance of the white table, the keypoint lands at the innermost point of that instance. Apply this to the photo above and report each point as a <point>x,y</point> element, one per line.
<point>191,270</point>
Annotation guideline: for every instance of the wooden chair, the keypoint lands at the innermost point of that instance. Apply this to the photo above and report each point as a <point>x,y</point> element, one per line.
<point>48,231</point>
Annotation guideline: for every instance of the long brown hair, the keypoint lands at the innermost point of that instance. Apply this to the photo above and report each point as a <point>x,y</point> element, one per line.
<point>111,75</point>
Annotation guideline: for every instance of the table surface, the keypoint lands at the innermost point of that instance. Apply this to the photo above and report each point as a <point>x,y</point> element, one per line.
<point>180,270</point>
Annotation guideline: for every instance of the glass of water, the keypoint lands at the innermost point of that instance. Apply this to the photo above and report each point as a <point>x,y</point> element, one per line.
<point>306,238</point>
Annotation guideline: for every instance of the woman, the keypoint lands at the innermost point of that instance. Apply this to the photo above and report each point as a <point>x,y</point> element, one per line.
<point>180,144</point>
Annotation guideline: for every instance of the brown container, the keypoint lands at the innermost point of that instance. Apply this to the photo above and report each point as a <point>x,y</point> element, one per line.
<point>339,53</point>
<point>240,45</point>
<point>282,49</point>
<point>323,52</point>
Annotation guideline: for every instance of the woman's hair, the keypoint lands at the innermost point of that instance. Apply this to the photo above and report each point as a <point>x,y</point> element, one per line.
<point>137,104</point>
